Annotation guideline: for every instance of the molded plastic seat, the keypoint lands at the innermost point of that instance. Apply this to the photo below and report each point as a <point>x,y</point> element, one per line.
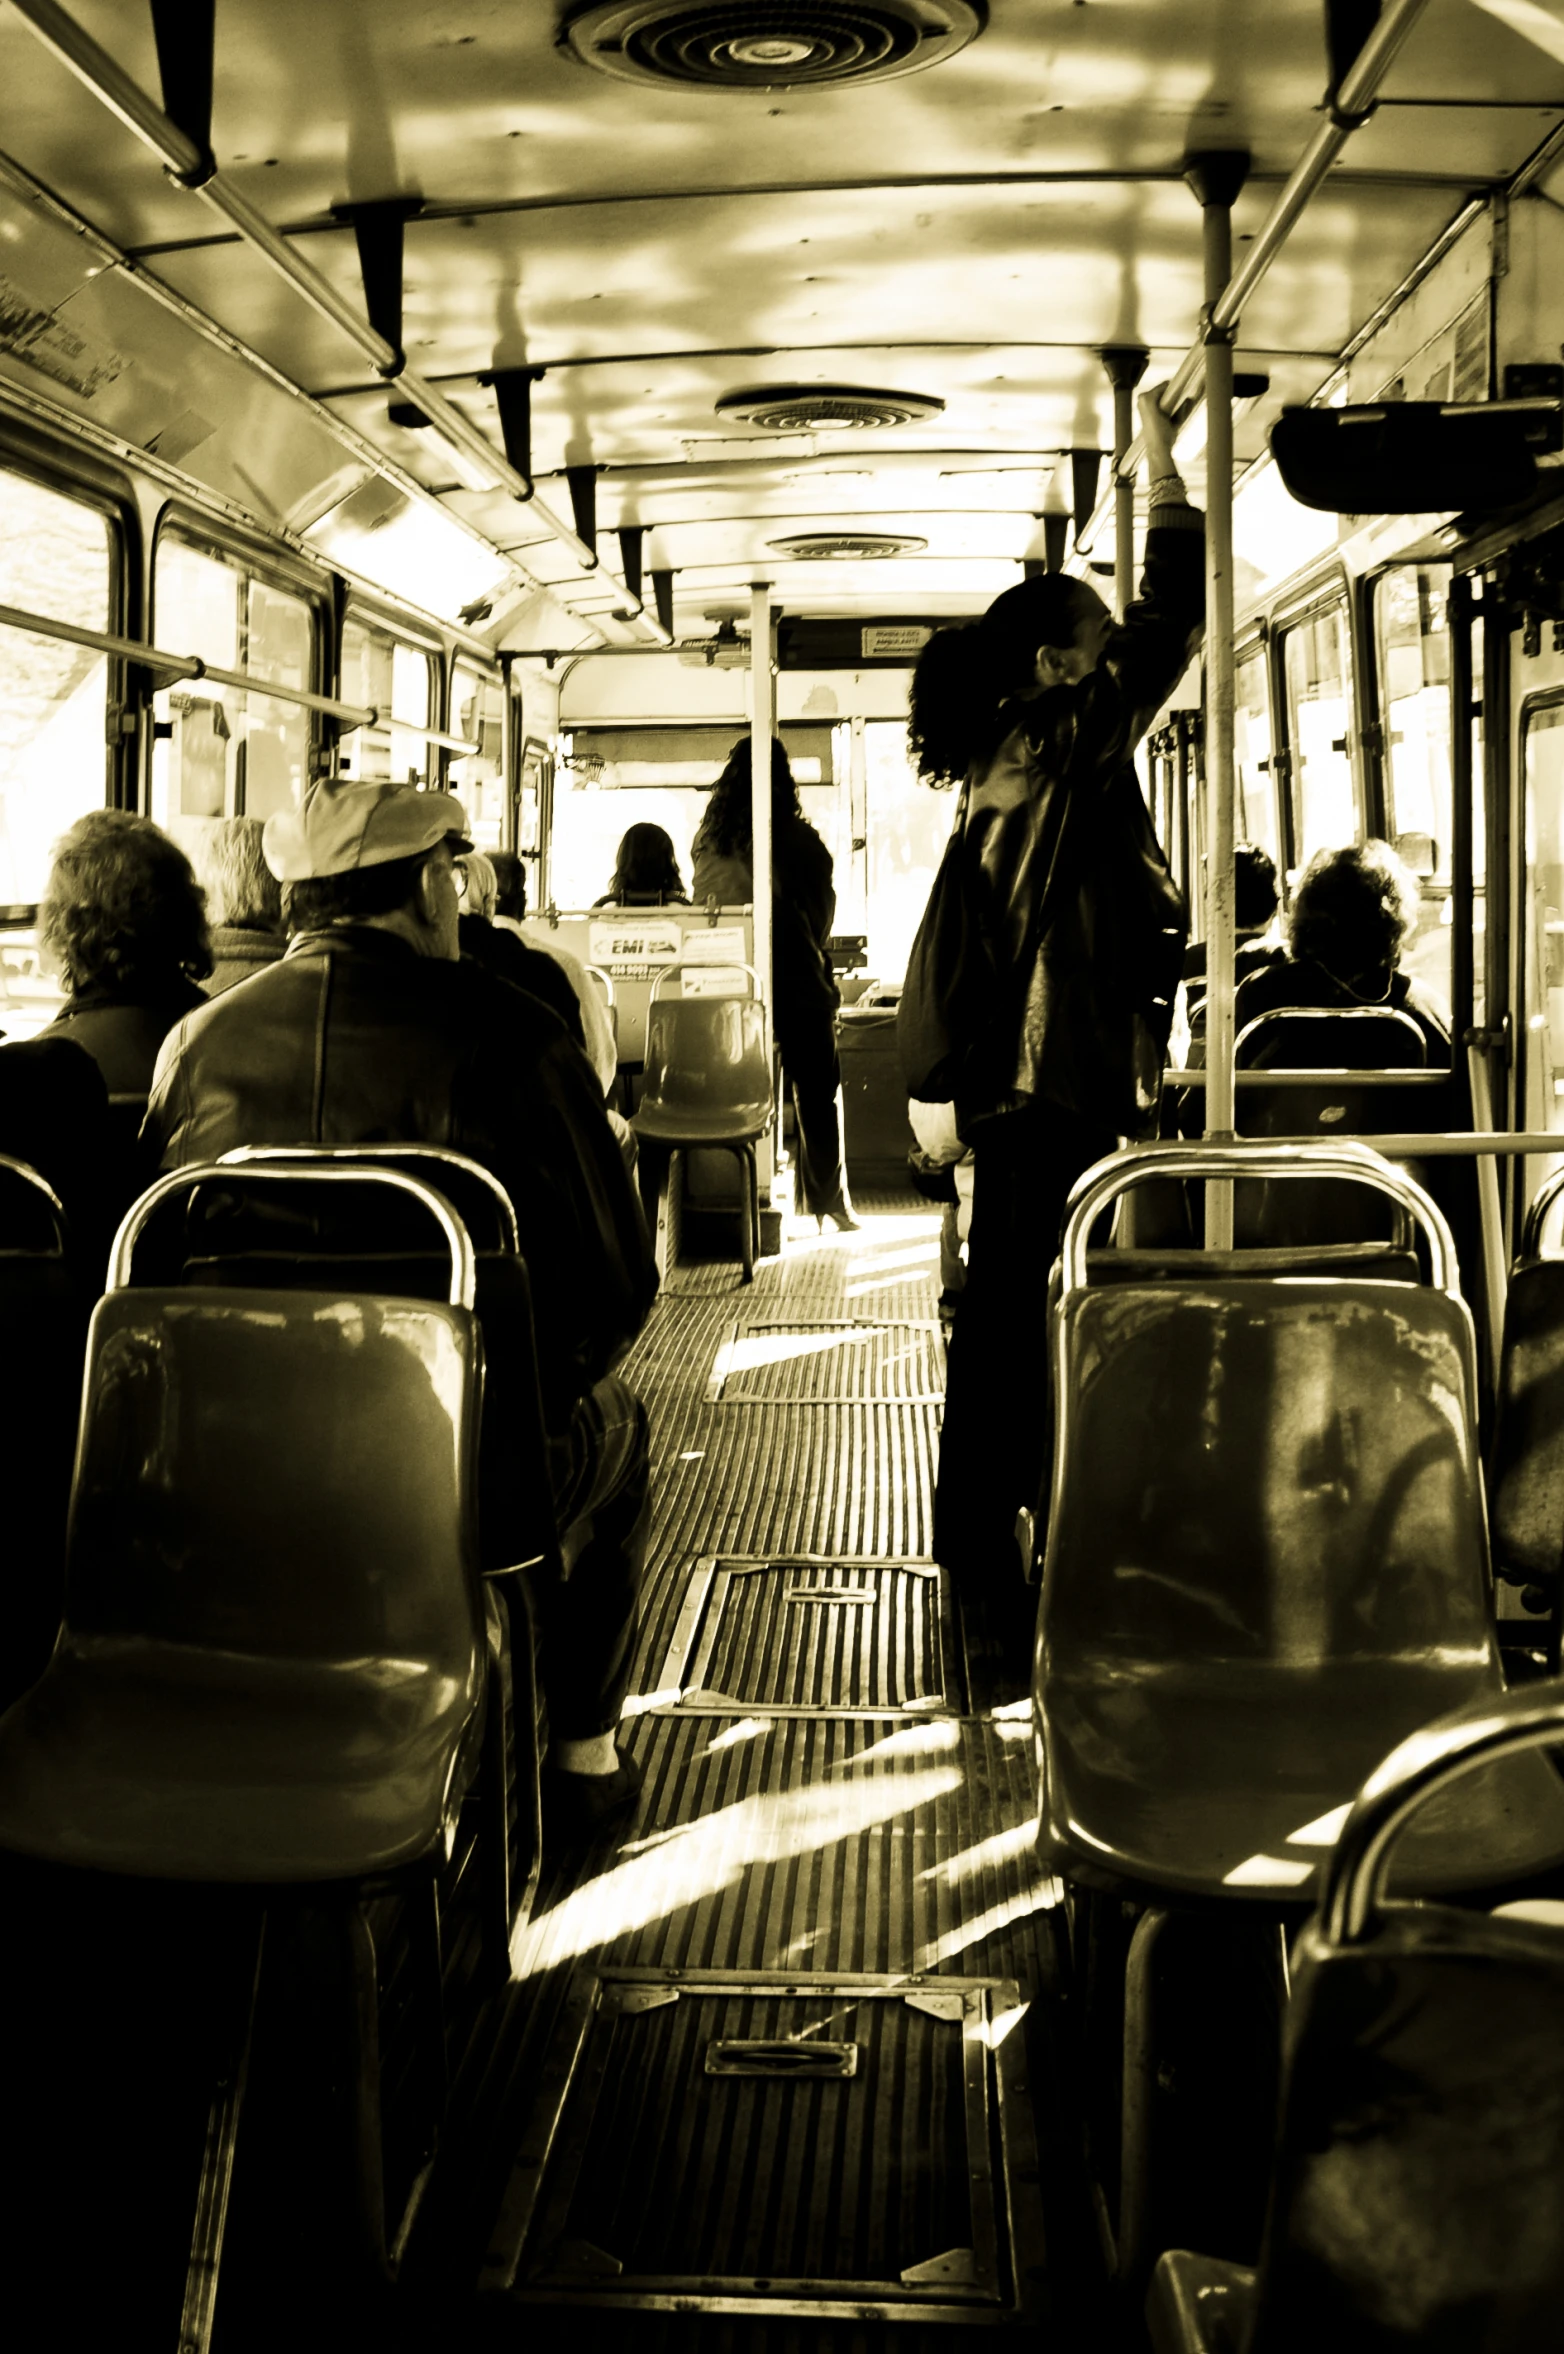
<point>708,1085</point>
<point>1266,1564</point>
<point>272,1663</point>
<point>1419,2176</point>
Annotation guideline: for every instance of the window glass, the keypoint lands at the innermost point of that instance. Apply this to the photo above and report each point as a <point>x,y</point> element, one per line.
<point>219,751</point>
<point>1543,1055</point>
<point>397,681</point>
<point>908,828</point>
<point>1318,668</point>
<point>1412,628</point>
<point>55,559</point>
<point>1255,816</point>
<point>478,713</point>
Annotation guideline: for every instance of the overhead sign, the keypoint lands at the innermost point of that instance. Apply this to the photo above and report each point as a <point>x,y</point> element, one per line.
<point>883,641</point>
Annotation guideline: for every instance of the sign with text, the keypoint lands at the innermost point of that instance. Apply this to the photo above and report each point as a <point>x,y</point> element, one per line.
<point>635,950</point>
<point>715,977</point>
<point>881,639</point>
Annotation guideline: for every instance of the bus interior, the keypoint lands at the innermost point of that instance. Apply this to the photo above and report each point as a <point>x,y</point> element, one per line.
<point>1163,1948</point>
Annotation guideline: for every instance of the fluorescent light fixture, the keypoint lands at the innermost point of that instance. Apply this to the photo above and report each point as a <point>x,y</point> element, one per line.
<point>411,549</point>
<point>1539,21</point>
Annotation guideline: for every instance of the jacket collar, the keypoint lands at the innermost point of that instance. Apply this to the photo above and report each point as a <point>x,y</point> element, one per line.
<point>353,939</point>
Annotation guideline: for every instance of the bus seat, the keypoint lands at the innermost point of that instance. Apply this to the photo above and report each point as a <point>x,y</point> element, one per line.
<point>1526,1472</point>
<point>360,1239</point>
<point>45,1300</point>
<point>708,1086</point>
<point>272,1663</point>
<point>1419,2171</point>
<point>1266,1563</point>
<point>1332,1040</point>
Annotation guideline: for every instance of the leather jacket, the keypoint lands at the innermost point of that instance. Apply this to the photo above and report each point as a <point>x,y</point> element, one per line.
<point>353,1038</point>
<point>1075,903</point>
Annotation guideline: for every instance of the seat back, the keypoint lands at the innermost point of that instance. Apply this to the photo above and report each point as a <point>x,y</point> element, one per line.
<point>1419,2177</point>
<point>1526,1486</point>
<point>1264,1475</point>
<point>707,1056</point>
<point>240,1231</point>
<point>336,1525</point>
<point>44,1305</point>
<point>1338,1041</point>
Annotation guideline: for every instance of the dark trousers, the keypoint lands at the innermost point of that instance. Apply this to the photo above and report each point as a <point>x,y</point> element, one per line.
<point>586,1619</point>
<point>810,1065</point>
<point>996,1437</point>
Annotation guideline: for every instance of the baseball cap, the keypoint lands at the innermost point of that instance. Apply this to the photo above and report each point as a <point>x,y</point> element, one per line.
<point>342,827</point>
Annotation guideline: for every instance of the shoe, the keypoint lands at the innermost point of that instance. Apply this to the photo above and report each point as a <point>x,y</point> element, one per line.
<point>576,1807</point>
<point>842,1219</point>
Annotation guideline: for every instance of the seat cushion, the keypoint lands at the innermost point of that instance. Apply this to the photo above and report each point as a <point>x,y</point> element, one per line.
<point>687,1124</point>
<point>166,1761</point>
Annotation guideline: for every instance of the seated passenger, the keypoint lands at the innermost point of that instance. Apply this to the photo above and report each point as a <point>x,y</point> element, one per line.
<point>646,872</point>
<point>510,912</point>
<point>516,961</point>
<point>244,902</point>
<point>1350,915</point>
<point>124,919</point>
<point>375,1028</point>
<point>1256,945</point>
<point>55,1116</point>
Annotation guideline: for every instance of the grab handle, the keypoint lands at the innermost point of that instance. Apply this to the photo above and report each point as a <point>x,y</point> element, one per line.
<point>312,1172</point>
<point>1143,1164</point>
<point>1353,1880</point>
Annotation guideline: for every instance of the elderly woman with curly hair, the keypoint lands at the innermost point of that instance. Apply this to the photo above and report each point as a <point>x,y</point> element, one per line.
<point>124,919</point>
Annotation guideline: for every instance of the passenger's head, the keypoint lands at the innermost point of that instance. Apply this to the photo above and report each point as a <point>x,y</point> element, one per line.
<point>381,855</point>
<point>241,888</point>
<point>729,823</point>
<point>1254,887</point>
<point>480,887</point>
<point>1352,910</point>
<point>646,867</point>
<point>122,908</point>
<point>510,884</point>
<point>1048,631</point>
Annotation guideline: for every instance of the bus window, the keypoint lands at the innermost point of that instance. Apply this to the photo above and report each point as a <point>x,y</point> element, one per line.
<point>1255,815</point>
<point>57,558</point>
<point>1412,632</point>
<point>1542,1079</point>
<point>395,679</point>
<point>611,778</point>
<point>220,752</point>
<point>478,778</point>
<point>908,828</point>
<point>1318,667</point>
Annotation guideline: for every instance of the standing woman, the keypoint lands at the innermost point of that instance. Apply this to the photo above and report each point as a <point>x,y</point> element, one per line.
<point>804,992</point>
<point>1041,1013</point>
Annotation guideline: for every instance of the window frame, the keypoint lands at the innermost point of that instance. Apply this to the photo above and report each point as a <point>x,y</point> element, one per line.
<point>368,613</point>
<point>1325,594</point>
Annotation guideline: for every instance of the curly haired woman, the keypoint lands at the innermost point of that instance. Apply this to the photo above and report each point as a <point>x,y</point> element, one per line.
<point>124,919</point>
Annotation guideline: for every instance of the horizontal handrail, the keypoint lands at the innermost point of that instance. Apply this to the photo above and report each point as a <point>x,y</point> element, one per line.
<point>1337,1073</point>
<point>176,666</point>
<point>709,964</point>
<point>419,1155</point>
<point>1447,1144</point>
<point>133,1225</point>
<point>1346,1159</point>
<point>1352,1882</point>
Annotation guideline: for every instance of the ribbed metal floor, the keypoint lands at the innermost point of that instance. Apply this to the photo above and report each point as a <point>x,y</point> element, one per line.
<point>817,1843</point>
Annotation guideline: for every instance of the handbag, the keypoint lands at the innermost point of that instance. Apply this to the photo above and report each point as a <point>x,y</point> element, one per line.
<point>949,984</point>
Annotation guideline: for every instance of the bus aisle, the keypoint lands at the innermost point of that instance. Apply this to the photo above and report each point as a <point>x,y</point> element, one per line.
<point>779,2050</point>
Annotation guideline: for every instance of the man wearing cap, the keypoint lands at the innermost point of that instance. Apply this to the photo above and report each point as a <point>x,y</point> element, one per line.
<point>374,1029</point>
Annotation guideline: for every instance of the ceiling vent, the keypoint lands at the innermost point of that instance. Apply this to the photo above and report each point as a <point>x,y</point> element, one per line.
<point>826,408</point>
<point>768,44</point>
<point>848,547</point>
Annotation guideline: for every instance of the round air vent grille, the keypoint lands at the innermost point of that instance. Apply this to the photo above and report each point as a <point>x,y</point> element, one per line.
<point>826,408</point>
<point>768,44</point>
<point>846,547</point>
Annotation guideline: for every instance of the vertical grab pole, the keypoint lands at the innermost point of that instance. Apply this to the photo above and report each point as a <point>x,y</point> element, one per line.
<point>1126,364</point>
<point>1216,180</point>
<point>761,730</point>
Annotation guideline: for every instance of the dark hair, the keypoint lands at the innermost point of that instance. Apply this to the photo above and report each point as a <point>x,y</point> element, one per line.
<point>239,882</point>
<point>510,884</point>
<point>1254,887</point>
<point>646,866</point>
<point>122,905</point>
<point>320,901</point>
<point>1352,910</point>
<point>965,675</point>
<point>728,828</point>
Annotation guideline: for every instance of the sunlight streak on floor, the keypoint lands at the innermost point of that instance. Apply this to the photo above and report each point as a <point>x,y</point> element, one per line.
<point>910,1741</point>
<point>747,1729</point>
<point>708,1855</point>
<point>999,1916</point>
<point>918,1255</point>
<point>988,1855</point>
